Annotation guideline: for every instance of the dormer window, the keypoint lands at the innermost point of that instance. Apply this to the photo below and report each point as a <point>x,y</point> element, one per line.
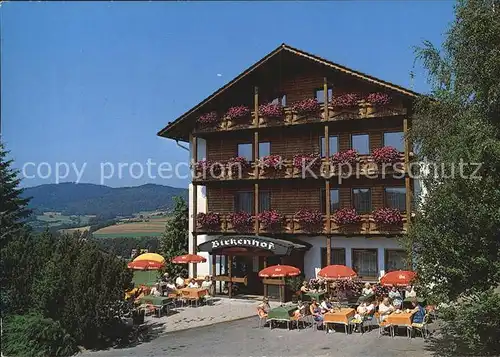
<point>280,100</point>
<point>320,95</point>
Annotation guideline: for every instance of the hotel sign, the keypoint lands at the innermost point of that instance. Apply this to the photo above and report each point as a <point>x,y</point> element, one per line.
<point>276,246</point>
<point>242,242</point>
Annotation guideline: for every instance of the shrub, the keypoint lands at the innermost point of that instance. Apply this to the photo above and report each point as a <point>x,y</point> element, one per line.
<point>238,112</point>
<point>272,161</point>
<point>241,221</point>
<point>346,100</point>
<point>307,106</point>
<point>378,98</point>
<point>209,221</point>
<point>386,154</point>
<point>387,216</point>
<point>306,160</point>
<point>308,218</point>
<point>345,216</point>
<point>36,336</point>
<point>271,110</point>
<point>349,157</point>
<point>208,118</point>
<point>271,219</point>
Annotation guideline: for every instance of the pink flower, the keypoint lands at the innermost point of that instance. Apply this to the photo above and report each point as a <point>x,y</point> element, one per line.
<point>309,217</point>
<point>208,118</point>
<point>349,157</point>
<point>386,154</point>
<point>272,161</point>
<point>307,106</point>
<point>307,160</point>
<point>271,218</point>
<point>238,112</point>
<point>345,100</point>
<point>387,216</point>
<point>241,221</point>
<point>271,110</point>
<point>209,221</point>
<point>345,216</point>
<point>235,163</point>
<point>378,98</point>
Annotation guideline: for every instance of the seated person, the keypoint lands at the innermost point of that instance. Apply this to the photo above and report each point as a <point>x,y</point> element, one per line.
<point>166,278</point>
<point>367,290</point>
<point>326,304</point>
<point>207,284</point>
<point>193,284</point>
<point>396,297</point>
<point>263,308</point>
<point>179,282</point>
<point>300,312</point>
<point>410,292</point>
<point>364,309</point>
<point>419,315</point>
<point>385,308</point>
<point>315,311</point>
<point>304,288</point>
<point>156,290</point>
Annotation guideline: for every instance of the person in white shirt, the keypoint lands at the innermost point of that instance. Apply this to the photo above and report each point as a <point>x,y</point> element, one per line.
<point>410,292</point>
<point>156,291</point>
<point>385,308</point>
<point>193,284</point>
<point>207,284</point>
<point>367,290</point>
<point>179,282</point>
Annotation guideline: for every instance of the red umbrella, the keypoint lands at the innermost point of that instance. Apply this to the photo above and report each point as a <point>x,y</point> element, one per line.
<point>398,278</point>
<point>336,272</point>
<point>145,265</point>
<point>279,271</point>
<point>188,258</point>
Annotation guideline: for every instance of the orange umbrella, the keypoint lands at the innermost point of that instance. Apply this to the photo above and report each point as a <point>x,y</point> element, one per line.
<point>336,272</point>
<point>279,271</point>
<point>145,265</point>
<point>188,258</point>
<point>398,278</point>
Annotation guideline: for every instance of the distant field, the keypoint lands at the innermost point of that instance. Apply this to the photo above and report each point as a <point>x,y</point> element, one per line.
<point>155,226</point>
<point>81,229</point>
<point>54,220</point>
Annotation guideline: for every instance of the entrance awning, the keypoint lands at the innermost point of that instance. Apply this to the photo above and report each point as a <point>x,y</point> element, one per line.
<point>251,242</point>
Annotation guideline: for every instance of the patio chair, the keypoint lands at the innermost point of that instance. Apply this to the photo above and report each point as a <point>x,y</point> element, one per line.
<point>368,320</point>
<point>420,327</point>
<point>383,325</point>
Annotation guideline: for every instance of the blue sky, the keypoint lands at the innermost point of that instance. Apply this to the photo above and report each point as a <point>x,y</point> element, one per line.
<point>92,82</point>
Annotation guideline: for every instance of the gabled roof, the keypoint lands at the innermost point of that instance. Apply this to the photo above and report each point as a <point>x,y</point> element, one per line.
<point>289,49</point>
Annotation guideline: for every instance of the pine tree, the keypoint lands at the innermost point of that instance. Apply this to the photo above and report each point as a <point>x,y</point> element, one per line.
<point>13,207</point>
<point>174,241</point>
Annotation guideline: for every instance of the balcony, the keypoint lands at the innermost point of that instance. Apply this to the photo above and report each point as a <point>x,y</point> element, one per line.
<point>290,116</point>
<point>277,167</point>
<point>291,225</point>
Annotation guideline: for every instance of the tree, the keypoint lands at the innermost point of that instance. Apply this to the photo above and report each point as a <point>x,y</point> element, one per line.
<point>174,241</point>
<point>13,207</point>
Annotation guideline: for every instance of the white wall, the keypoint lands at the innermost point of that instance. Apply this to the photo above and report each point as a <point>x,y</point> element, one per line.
<point>203,268</point>
<point>312,258</point>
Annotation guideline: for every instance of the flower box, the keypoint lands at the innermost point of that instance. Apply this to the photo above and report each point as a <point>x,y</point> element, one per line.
<point>309,220</point>
<point>238,165</point>
<point>348,157</point>
<point>378,99</point>
<point>208,169</point>
<point>271,220</point>
<point>386,155</point>
<point>271,110</point>
<point>241,221</point>
<point>387,216</point>
<point>348,100</point>
<point>307,106</point>
<point>208,221</point>
<point>238,112</point>
<point>303,162</point>
<point>346,216</point>
<point>208,120</point>
<point>274,162</point>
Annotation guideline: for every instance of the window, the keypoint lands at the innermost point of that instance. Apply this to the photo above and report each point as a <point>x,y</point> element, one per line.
<point>395,260</point>
<point>395,197</point>
<point>246,151</point>
<point>337,257</point>
<point>334,200</point>
<point>201,149</point>
<point>320,95</point>
<point>281,99</point>
<point>264,149</point>
<point>362,200</point>
<point>364,262</point>
<point>395,139</point>
<point>361,143</point>
<point>243,201</point>
<point>333,141</point>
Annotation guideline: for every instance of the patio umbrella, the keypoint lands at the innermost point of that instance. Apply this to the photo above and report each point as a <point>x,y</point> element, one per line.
<point>189,258</point>
<point>279,271</point>
<point>151,257</point>
<point>398,278</point>
<point>336,272</point>
<point>145,265</point>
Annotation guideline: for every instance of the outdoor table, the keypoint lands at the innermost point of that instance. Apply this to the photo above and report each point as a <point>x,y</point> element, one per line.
<point>318,295</point>
<point>281,313</point>
<point>401,319</point>
<point>159,302</point>
<point>341,316</point>
<point>193,294</point>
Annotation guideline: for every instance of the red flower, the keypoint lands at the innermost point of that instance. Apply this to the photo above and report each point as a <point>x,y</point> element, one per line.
<point>345,216</point>
<point>235,163</point>
<point>346,100</point>
<point>238,112</point>
<point>378,98</point>
<point>208,118</point>
<point>270,219</point>
<point>207,166</point>
<point>307,160</point>
<point>345,157</point>
<point>272,161</point>
<point>209,221</point>
<point>387,216</point>
<point>386,154</point>
<point>241,221</point>
<point>309,217</point>
<point>307,106</point>
<point>271,110</point>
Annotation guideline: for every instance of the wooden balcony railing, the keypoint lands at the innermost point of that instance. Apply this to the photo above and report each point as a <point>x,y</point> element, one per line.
<point>290,225</point>
<point>365,166</point>
<point>291,117</point>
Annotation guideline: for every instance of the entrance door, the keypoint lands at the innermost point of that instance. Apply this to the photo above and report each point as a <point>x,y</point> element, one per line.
<point>248,266</point>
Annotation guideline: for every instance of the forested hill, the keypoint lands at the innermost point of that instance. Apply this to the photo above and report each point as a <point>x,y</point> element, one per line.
<point>103,201</point>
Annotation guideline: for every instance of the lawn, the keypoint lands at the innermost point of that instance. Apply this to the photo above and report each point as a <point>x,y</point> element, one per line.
<point>153,227</point>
